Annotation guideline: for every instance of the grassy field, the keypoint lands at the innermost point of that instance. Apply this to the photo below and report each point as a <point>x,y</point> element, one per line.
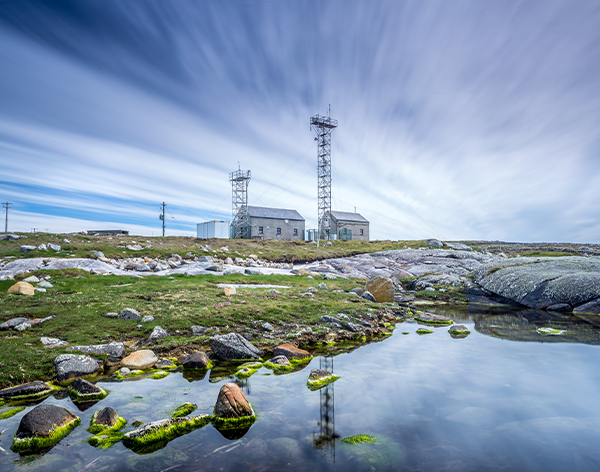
<point>116,247</point>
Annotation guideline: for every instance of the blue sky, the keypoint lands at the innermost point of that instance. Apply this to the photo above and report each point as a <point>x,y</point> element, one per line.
<point>457,119</point>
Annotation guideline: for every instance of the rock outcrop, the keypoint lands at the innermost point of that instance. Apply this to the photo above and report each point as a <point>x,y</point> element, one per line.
<point>231,403</point>
<point>233,346</point>
<point>382,288</point>
<point>143,359</point>
<point>22,288</point>
<point>71,366</point>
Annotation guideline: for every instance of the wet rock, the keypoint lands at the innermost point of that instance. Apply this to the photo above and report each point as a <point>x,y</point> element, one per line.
<point>291,352</point>
<point>233,346</point>
<point>129,314</point>
<point>352,327</point>
<point>164,364</point>
<point>112,349</point>
<point>368,296</point>
<point>590,307</point>
<point>197,360</point>
<point>84,390</point>
<point>459,330</point>
<point>430,318</point>
<point>163,431</point>
<point>319,378</point>
<point>37,388</point>
<point>158,333</point>
<point>106,417</point>
<point>231,403</point>
<point>48,422</point>
<point>143,359</point>
<point>22,288</point>
<point>382,289</point>
<point>560,307</point>
<point>70,366</point>
<point>124,371</point>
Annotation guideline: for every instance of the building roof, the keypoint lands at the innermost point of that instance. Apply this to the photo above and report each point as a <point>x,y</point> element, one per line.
<point>275,213</point>
<point>347,216</point>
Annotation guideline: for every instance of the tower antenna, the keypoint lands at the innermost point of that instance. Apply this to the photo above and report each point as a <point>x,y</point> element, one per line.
<point>323,126</point>
<point>7,206</point>
<point>162,217</point>
<point>239,203</point>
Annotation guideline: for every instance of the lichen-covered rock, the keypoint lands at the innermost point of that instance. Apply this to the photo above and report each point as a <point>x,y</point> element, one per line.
<point>82,390</point>
<point>142,359</point>
<point>43,427</point>
<point>229,291</point>
<point>129,314</point>
<point>158,333</point>
<point>31,390</point>
<point>112,349</point>
<point>543,281</point>
<point>22,288</point>
<point>197,360</point>
<point>233,346</point>
<point>291,352</point>
<point>71,366</point>
<point>430,318</point>
<point>231,403</point>
<point>382,289</point>
<point>12,323</point>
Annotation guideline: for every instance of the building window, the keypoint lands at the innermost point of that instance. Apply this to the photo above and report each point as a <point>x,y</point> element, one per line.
<point>278,230</point>
<point>361,232</point>
<point>260,230</point>
<point>295,232</point>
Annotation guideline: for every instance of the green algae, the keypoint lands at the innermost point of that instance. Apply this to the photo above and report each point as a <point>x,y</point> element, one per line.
<point>245,372</point>
<point>159,375</point>
<point>209,366</point>
<point>86,397</point>
<point>431,322</point>
<point>105,436</point>
<point>37,443</point>
<point>10,413</point>
<point>133,373</point>
<point>183,410</point>
<point>317,384</point>
<point>405,332</point>
<point>234,423</point>
<point>34,396</point>
<point>159,437</point>
<point>424,331</point>
<point>550,331</point>
<point>278,367</point>
<point>459,332</point>
<point>360,439</point>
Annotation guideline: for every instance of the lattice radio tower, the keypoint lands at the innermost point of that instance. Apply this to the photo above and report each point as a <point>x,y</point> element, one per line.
<point>239,203</point>
<point>324,126</point>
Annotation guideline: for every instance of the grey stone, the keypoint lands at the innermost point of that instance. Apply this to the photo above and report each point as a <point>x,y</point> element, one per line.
<point>112,349</point>
<point>273,291</point>
<point>9,237</point>
<point>352,327</point>
<point>28,248</point>
<point>45,284</point>
<point>42,420</point>
<point>561,307</point>
<point>23,326</point>
<point>310,277</point>
<point>53,342</point>
<point>106,417</point>
<point>198,330</point>
<point>158,333</point>
<point>329,277</point>
<point>280,360</point>
<point>31,280</point>
<point>267,327</point>
<point>435,243</point>
<point>37,289</point>
<point>83,387</point>
<point>124,371</point>
<point>330,320</point>
<point>205,259</point>
<point>589,307</point>
<point>143,268</point>
<point>31,388</point>
<point>129,314</point>
<point>98,254</point>
<point>322,286</point>
<point>233,346</point>
<point>359,291</point>
<point>147,319</point>
<point>368,296</point>
<point>197,360</point>
<point>112,315</point>
<point>311,289</point>
<point>54,247</point>
<point>308,295</point>
<point>70,366</point>
<point>459,246</point>
<point>42,247</point>
<point>10,324</point>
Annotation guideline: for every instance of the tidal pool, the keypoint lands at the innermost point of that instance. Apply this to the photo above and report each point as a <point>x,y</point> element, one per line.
<point>504,397</point>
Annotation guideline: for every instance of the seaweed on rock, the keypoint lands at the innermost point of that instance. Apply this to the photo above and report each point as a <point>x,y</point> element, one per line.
<point>10,413</point>
<point>183,410</point>
<point>41,443</point>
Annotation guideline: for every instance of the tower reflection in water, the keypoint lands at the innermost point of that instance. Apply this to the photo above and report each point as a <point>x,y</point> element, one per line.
<point>325,438</point>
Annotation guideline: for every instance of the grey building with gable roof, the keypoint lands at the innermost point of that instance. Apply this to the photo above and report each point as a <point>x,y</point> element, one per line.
<point>350,226</point>
<point>275,223</point>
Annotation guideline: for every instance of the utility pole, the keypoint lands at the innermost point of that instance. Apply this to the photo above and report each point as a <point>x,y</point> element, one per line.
<point>6,205</point>
<point>162,217</point>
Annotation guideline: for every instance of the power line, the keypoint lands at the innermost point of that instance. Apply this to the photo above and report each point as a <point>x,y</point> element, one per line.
<point>177,223</point>
<point>7,206</point>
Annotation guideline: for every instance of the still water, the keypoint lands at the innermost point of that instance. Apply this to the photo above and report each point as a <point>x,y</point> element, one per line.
<point>503,398</point>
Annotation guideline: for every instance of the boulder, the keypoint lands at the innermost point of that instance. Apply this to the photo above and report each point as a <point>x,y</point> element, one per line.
<point>368,296</point>
<point>435,243</point>
<point>164,364</point>
<point>11,324</point>
<point>197,360</point>
<point>280,360</point>
<point>147,319</point>
<point>84,390</point>
<point>382,289</point>
<point>22,288</point>
<point>291,352</point>
<point>129,314</point>
<point>53,342</point>
<point>158,333</point>
<point>267,327</point>
<point>459,330</point>
<point>106,417</point>
<point>198,330</point>
<point>459,246</point>
<point>71,366</point>
<point>233,346</point>
<point>28,248</point>
<point>37,388</point>
<point>31,280</point>
<point>112,349</point>
<point>231,403</point>
<point>228,291</point>
<point>430,318</point>
<point>45,284</point>
<point>9,237</point>
<point>319,378</point>
<point>143,359</point>
<point>54,247</point>
<point>352,327</point>
<point>47,423</point>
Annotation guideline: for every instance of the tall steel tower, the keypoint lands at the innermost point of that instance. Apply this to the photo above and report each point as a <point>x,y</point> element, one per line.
<point>324,126</point>
<point>239,203</point>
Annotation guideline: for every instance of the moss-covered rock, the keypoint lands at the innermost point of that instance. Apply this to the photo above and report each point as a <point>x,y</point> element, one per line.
<point>424,331</point>
<point>232,410</point>
<point>459,330</point>
<point>550,331</point>
<point>319,378</point>
<point>10,413</point>
<point>105,426</point>
<point>183,410</point>
<point>81,390</point>
<point>430,318</point>
<point>29,391</point>
<point>360,439</point>
<point>159,375</point>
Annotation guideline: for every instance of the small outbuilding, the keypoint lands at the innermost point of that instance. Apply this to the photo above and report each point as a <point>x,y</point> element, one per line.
<point>349,226</point>
<point>213,229</point>
<point>275,223</point>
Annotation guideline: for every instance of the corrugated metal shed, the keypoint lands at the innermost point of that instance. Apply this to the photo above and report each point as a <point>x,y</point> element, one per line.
<point>347,216</point>
<point>275,213</point>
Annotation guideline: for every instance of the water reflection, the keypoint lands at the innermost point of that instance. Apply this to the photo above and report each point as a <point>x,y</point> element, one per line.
<point>325,438</point>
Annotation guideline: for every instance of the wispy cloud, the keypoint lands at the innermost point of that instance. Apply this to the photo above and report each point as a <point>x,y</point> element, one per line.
<point>474,120</point>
